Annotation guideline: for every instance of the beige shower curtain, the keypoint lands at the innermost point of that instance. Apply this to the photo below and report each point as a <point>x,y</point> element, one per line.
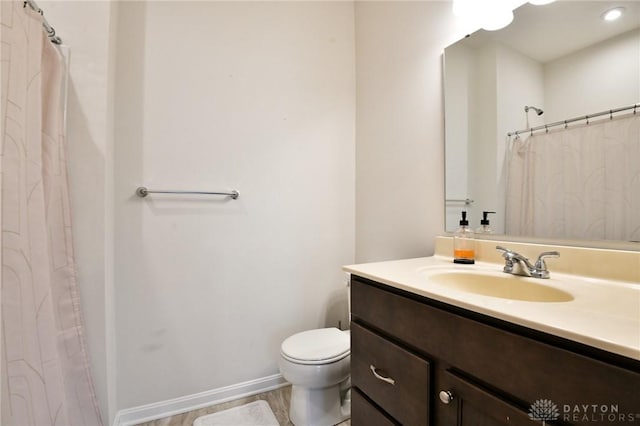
<point>582,182</point>
<point>45,372</point>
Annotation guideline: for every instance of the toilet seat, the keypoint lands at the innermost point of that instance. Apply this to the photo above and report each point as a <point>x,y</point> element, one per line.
<point>320,346</point>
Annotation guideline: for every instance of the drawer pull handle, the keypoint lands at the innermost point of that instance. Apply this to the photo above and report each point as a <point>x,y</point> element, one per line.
<point>445,396</point>
<point>389,380</point>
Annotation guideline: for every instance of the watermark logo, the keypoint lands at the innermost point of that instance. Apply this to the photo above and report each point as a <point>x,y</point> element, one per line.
<point>544,409</point>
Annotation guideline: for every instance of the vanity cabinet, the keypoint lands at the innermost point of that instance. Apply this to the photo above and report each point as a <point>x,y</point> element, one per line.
<point>417,361</point>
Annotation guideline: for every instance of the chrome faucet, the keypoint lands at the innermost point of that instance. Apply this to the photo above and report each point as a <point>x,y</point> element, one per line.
<point>517,264</point>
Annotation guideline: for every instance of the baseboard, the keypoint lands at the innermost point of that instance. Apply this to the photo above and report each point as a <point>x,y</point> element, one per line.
<point>171,407</point>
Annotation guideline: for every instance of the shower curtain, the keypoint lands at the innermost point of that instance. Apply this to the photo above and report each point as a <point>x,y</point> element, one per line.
<point>45,372</point>
<point>581,182</point>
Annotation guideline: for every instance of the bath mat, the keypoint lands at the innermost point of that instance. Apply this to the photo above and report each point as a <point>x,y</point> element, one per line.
<point>257,413</point>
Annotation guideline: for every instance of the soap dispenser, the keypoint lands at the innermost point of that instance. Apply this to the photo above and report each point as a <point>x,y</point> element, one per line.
<point>463,243</point>
<point>485,228</point>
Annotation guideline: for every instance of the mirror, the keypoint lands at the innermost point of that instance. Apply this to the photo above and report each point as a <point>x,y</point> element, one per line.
<point>561,58</point>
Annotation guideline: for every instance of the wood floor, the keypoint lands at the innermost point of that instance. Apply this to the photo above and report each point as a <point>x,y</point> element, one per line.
<point>278,401</point>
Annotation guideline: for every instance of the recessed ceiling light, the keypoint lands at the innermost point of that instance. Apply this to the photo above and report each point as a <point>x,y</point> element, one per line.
<point>613,14</point>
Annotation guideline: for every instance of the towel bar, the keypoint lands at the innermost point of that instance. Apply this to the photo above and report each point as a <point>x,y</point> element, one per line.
<point>143,191</point>
<point>467,201</point>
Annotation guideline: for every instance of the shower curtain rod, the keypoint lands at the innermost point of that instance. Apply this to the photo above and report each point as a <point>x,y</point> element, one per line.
<point>564,123</point>
<point>51,32</point>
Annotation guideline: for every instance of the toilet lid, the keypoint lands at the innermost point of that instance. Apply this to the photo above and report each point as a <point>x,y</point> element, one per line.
<point>323,345</point>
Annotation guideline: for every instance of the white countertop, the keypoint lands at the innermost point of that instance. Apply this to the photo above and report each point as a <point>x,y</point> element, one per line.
<point>603,313</point>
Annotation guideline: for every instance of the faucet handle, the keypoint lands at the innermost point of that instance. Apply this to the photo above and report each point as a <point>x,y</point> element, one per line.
<point>505,251</point>
<point>508,259</point>
<point>541,265</point>
<point>511,255</point>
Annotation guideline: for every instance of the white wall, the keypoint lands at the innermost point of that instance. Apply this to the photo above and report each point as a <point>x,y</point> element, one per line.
<point>205,290</point>
<point>88,28</point>
<point>2,70</point>
<point>214,95</point>
<point>400,147</point>
<point>609,78</point>
<point>521,83</point>
<point>458,75</point>
<point>482,132</point>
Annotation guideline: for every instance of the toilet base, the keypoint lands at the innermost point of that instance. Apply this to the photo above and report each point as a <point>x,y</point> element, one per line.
<point>319,407</point>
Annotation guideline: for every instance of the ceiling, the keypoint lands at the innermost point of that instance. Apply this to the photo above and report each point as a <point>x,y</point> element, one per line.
<point>547,32</point>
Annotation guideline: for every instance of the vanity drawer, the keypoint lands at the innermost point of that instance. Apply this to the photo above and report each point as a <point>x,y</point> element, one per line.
<point>363,413</point>
<point>391,376</point>
<point>405,319</point>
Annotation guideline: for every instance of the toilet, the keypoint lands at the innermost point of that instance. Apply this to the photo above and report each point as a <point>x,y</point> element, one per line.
<point>317,364</point>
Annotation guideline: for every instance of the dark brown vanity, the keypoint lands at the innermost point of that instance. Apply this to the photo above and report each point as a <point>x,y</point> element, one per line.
<point>419,361</point>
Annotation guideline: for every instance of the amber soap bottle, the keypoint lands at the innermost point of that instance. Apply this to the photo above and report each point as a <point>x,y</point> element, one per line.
<point>463,243</point>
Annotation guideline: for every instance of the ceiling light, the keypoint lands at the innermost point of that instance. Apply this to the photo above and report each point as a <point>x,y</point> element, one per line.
<point>497,20</point>
<point>613,14</point>
<point>541,2</point>
<point>488,14</point>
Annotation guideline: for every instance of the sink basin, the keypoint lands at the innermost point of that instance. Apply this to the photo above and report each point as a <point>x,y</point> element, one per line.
<point>504,286</point>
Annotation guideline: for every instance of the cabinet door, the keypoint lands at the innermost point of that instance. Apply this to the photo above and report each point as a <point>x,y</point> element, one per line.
<point>463,403</point>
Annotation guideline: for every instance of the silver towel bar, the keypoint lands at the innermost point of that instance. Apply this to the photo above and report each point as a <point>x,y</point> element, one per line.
<point>467,201</point>
<point>143,191</point>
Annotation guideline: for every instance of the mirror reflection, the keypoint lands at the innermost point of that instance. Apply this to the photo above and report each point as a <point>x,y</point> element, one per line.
<point>563,83</point>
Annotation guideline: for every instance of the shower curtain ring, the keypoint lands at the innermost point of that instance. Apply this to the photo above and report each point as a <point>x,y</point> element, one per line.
<point>610,114</point>
<point>531,133</point>
<point>586,117</point>
<point>546,129</point>
<point>565,124</point>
